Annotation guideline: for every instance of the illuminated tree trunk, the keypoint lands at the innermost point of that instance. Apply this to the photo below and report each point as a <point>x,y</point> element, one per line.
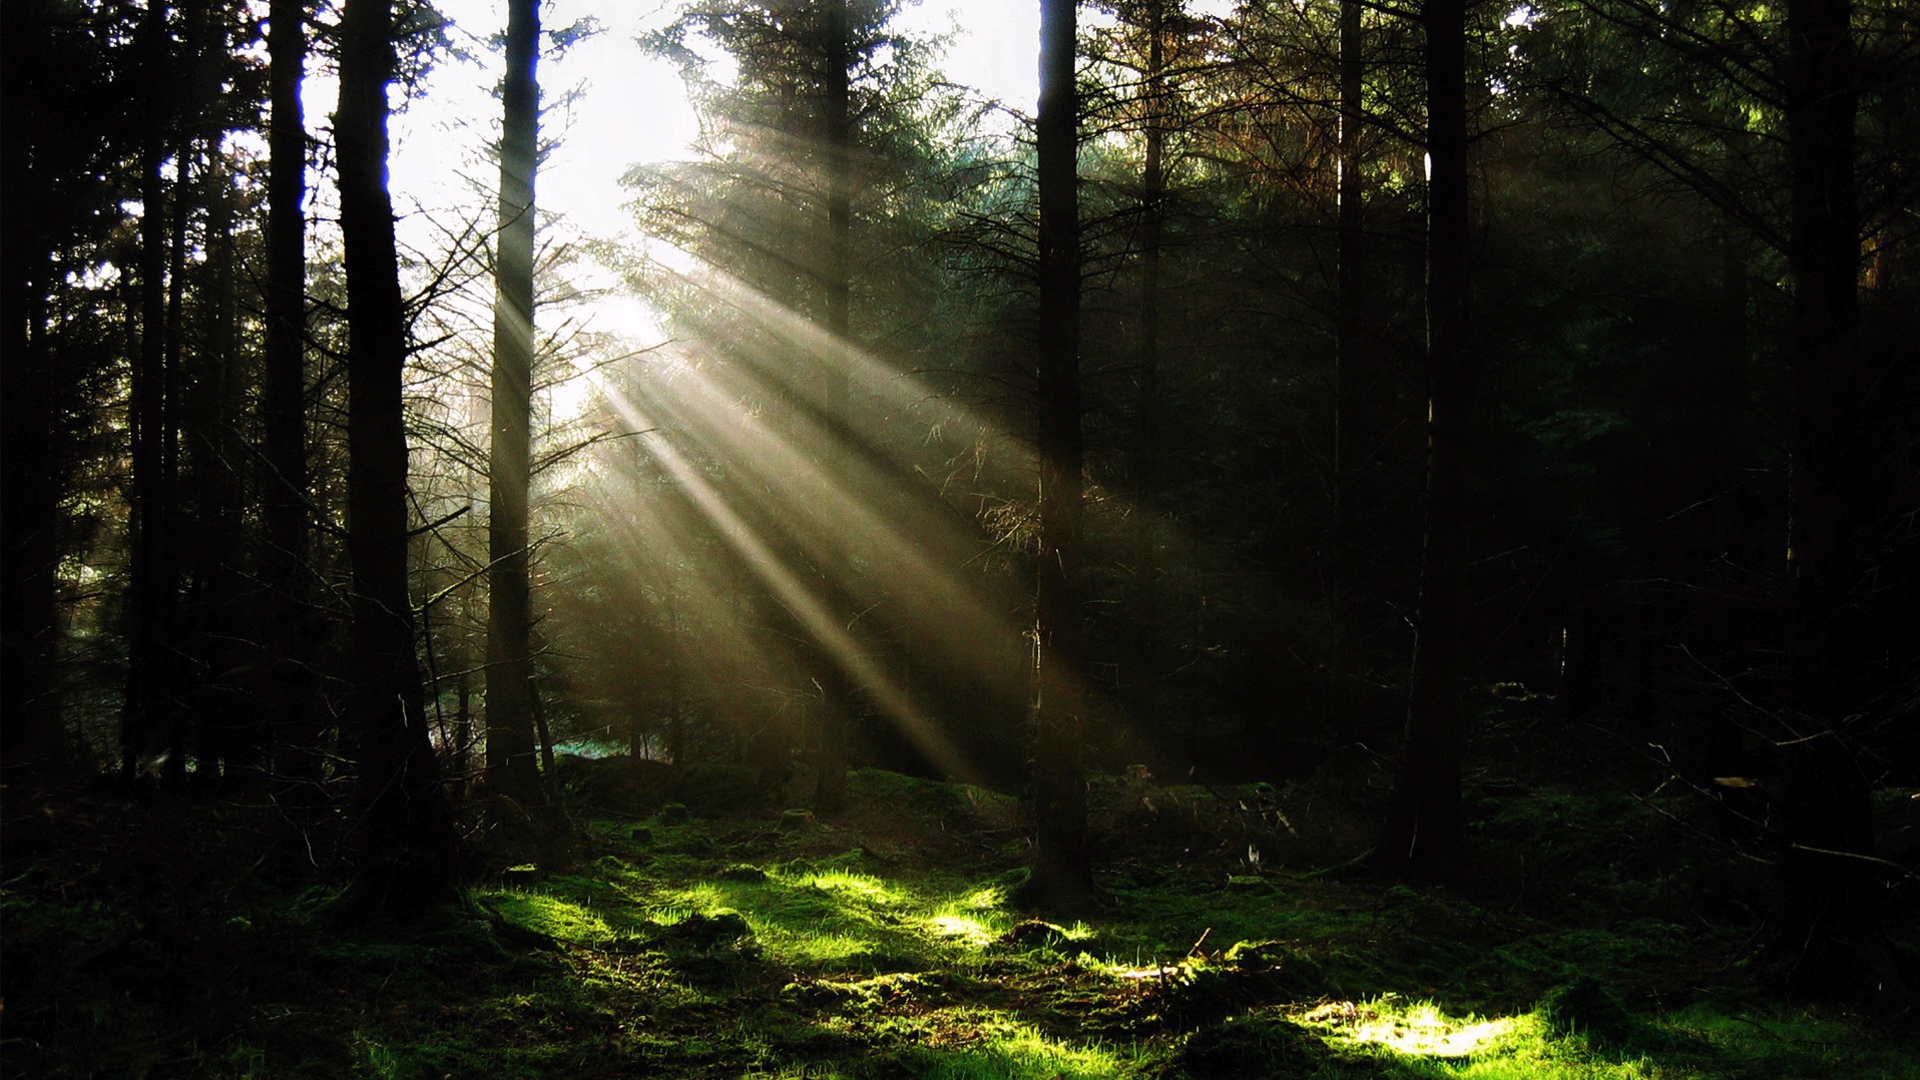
<point>405,847</point>
<point>512,768</point>
<point>1425,833</point>
<point>1062,870</point>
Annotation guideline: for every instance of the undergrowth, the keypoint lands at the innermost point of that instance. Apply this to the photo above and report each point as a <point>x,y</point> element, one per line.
<point>882,944</point>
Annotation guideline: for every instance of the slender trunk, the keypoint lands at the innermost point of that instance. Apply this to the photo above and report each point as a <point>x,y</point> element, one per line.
<point>512,768</point>
<point>1350,315</point>
<point>32,743</point>
<point>181,722</point>
<point>1827,918</point>
<point>31,736</point>
<point>290,625</point>
<point>406,847</point>
<point>1143,625</point>
<point>836,706</point>
<point>1425,832</point>
<point>235,733</point>
<point>1062,868</point>
<point>144,719</point>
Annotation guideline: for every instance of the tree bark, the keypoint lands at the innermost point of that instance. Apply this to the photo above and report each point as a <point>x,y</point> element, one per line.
<point>1827,920</point>
<point>290,628</point>
<point>836,705</point>
<point>407,851</point>
<point>147,723</point>
<point>512,767</point>
<point>31,735</point>
<point>1425,833</point>
<point>1350,316</point>
<point>1062,868</point>
<point>1143,623</point>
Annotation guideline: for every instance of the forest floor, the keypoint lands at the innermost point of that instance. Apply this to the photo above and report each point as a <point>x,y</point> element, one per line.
<point>1237,939</point>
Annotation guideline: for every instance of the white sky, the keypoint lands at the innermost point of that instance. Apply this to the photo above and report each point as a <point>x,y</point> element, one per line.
<point>630,107</point>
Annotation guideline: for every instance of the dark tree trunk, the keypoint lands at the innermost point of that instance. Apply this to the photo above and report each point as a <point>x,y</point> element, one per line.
<point>836,705</point>
<point>405,846</point>
<point>31,735</point>
<point>231,733</point>
<point>1143,623</point>
<point>512,765</point>
<point>148,720</point>
<point>1349,302</point>
<point>1425,833</point>
<point>31,743</point>
<point>1827,920</point>
<point>1062,868</point>
<point>290,624</point>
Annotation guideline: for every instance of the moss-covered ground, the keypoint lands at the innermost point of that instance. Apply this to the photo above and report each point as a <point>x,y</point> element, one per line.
<point>1236,940</point>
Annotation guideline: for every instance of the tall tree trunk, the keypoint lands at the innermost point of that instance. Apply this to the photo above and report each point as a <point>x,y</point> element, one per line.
<point>1143,622</point>
<point>1062,868</point>
<point>407,851</point>
<point>31,735</point>
<point>32,741</point>
<point>147,714</point>
<point>290,628</point>
<point>512,767</point>
<point>1425,833</point>
<point>1350,315</point>
<point>836,706</point>
<point>1826,922</point>
<point>234,733</point>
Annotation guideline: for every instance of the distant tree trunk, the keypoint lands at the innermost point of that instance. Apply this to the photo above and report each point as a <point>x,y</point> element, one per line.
<point>233,733</point>
<point>1350,314</point>
<point>836,704</point>
<point>1425,833</point>
<point>1826,922</point>
<point>406,848</point>
<point>1062,868</point>
<point>289,618</point>
<point>512,767</point>
<point>148,721</point>
<point>1143,623</point>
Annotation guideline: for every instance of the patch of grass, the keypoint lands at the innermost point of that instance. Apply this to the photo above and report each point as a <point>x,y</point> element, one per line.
<point>559,919</point>
<point>744,951</point>
<point>999,1049</point>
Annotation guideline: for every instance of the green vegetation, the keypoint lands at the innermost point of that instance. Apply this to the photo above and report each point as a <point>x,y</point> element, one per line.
<point>878,944</point>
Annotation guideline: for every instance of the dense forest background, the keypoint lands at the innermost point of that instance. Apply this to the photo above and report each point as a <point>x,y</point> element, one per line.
<point>1433,400</point>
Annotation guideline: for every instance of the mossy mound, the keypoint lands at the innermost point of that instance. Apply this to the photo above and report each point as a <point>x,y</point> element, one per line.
<point>1247,1047</point>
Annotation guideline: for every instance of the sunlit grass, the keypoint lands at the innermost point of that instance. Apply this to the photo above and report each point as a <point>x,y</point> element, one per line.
<point>996,1048</point>
<point>963,928</point>
<point>860,888</point>
<point>1417,1029</point>
<point>560,919</point>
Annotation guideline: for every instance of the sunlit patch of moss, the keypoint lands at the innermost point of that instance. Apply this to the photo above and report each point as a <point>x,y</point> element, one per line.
<point>988,898</point>
<point>995,1048</point>
<point>562,920</point>
<point>815,949</point>
<point>962,928</point>
<point>863,888</point>
<point>1426,1042</point>
<point>1415,1029</point>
